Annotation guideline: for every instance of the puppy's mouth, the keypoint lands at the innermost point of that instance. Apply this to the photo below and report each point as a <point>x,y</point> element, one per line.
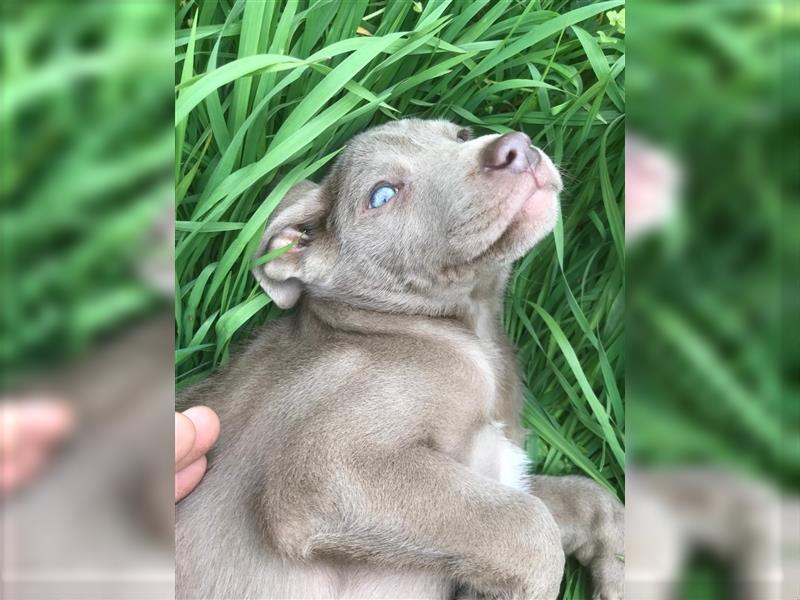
<point>531,214</point>
<point>543,187</point>
<point>516,210</point>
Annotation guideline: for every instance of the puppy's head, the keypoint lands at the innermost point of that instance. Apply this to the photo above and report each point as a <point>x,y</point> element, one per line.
<point>412,216</point>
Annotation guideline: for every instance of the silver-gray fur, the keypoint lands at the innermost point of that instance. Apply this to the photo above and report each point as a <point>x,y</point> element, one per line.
<point>370,440</point>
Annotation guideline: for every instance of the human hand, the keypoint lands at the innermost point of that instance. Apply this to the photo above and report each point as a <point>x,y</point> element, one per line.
<point>29,430</point>
<point>196,431</point>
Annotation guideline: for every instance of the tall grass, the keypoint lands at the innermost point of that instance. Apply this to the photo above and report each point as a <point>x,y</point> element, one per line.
<point>269,92</point>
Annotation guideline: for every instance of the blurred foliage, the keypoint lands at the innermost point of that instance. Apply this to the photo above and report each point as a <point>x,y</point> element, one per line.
<point>85,108</point>
<point>712,353</point>
<point>269,92</point>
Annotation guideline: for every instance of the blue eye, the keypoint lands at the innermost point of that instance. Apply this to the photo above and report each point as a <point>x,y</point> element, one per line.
<point>381,195</point>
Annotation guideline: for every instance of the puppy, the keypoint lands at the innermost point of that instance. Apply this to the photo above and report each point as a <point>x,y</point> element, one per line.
<point>370,442</point>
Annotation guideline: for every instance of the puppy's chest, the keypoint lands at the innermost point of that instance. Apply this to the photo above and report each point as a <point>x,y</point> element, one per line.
<point>482,443</point>
<point>479,369</point>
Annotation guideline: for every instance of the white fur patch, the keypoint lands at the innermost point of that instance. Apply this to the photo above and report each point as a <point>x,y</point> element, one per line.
<point>514,466</point>
<point>492,454</point>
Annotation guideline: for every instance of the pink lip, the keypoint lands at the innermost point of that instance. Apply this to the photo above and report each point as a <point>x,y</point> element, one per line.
<point>534,185</point>
<point>546,177</point>
<point>543,186</point>
<point>531,193</point>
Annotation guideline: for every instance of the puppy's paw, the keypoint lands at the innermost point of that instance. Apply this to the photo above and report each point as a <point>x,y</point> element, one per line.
<point>608,578</point>
<point>592,523</point>
<point>604,549</point>
<point>608,595</point>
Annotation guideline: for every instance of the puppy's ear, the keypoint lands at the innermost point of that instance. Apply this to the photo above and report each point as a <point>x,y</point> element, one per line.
<point>298,214</point>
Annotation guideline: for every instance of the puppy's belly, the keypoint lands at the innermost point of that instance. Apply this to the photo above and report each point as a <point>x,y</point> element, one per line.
<point>492,454</point>
<point>385,583</point>
<point>286,579</point>
<point>292,580</point>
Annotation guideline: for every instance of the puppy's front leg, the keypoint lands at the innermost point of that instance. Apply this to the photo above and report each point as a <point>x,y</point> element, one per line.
<point>419,509</point>
<point>592,523</point>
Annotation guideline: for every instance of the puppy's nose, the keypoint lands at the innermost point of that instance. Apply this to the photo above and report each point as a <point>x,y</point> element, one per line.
<point>511,151</point>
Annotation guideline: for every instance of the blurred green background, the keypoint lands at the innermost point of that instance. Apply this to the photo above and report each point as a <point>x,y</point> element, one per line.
<point>89,155</point>
<point>711,322</point>
<point>710,344</point>
<point>85,178</point>
<point>268,92</point>
<point>86,276</point>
